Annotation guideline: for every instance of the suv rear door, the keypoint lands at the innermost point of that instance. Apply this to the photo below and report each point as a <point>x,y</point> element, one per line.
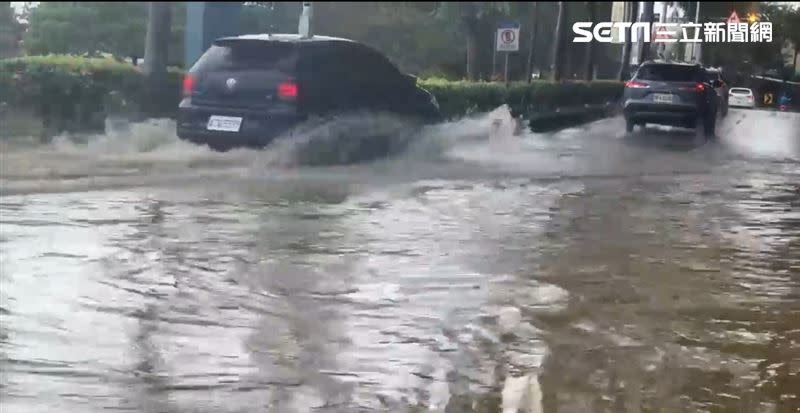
<point>243,73</point>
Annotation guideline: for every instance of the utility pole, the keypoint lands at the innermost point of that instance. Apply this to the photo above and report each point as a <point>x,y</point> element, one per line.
<point>645,50</point>
<point>304,27</point>
<point>558,45</point>
<point>630,16</point>
<point>696,49</point>
<point>663,18</point>
<point>156,53</point>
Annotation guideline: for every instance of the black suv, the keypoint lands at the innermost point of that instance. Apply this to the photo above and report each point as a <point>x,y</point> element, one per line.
<point>674,94</point>
<point>247,90</point>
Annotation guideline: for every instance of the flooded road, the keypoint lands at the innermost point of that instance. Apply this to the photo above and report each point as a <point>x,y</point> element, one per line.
<point>580,271</point>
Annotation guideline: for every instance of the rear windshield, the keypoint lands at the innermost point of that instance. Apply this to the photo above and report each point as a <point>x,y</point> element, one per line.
<point>740,91</point>
<point>669,73</point>
<point>239,55</point>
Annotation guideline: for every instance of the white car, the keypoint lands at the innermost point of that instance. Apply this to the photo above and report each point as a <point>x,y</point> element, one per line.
<point>741,97</point>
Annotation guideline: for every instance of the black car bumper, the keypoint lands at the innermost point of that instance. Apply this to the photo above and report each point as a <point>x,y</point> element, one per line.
<point>258,128</point>
<point>665,114</point>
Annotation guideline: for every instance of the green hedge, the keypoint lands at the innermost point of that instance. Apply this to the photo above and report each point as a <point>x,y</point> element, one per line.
<point>462,98</point>
<point>75,92</point>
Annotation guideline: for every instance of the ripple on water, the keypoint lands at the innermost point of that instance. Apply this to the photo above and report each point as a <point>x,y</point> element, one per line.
<point>554,279</point>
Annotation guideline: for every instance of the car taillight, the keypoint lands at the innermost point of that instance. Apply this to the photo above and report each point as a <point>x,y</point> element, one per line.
<point>699,87</point>
<point>287,90</point>
<point>636,85</point>
<point>188,85</point>
<point>750,97</point>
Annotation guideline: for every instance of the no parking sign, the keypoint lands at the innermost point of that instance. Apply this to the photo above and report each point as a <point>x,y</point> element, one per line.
<point>508,37</point>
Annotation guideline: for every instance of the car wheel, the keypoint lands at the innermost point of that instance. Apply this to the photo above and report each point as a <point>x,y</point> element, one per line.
<point>629,125</point>
<point>700,127</point>
<point>219,147</point>
<point>709,127</point>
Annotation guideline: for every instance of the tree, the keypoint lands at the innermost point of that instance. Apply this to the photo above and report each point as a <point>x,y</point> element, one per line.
<point>469,18</point>
<point>473,18</point>
<point>647,16</point>
<point>78,27</point>
<point>786,27</point>
<point>589,75</point>
<point>10,31</point>
<point>534,20</point>
<point>558,45</point>
<point>270,17</point>
<point>156,51</point>
<point>631,12</point>
<point>91,27</point>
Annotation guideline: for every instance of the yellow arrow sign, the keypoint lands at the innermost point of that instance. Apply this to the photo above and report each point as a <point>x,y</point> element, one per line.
<point>768,98</point>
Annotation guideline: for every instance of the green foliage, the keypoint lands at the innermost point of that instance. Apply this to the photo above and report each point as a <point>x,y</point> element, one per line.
<point>79,27</point>
<point>72,93</point>
<point>97,27</point>
<point>462,97</point>
<point>10,31</point>
<point>750,58</point>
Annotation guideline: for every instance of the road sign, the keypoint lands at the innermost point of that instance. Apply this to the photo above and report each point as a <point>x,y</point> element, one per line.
<point>508,37</point>
<point>733,18</point>
<point>663,33</point>
<point>768,99</point>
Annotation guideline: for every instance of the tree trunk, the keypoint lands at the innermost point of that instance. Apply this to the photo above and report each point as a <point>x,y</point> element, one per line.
<point>469,19</point>
<point>558,45</point>
<point>647,16</point>
<point>589,75</point>
<point>794,62</point>
<point>472,54</point>
<point>156,52</point>
<point>531,48</point>
<point>626,47</point>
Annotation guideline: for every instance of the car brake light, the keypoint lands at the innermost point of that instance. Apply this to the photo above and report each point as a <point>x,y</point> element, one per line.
<point>188,85</point>
<point>636,85</point>
<point>699,87</point>
<point>287,90</point>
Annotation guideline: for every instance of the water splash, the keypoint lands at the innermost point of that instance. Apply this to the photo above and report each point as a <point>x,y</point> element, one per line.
<point>346,139</point>
<point>126,153</point>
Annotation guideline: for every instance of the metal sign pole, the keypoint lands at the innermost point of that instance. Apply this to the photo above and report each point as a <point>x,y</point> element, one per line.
<point>494,59</point>
<point>697,51</point>
<point>304,26</point>
<point>507,41</point>
<point>505,77</point>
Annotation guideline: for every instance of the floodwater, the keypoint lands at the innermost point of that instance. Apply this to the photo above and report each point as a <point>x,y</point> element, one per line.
<point>578,271</point>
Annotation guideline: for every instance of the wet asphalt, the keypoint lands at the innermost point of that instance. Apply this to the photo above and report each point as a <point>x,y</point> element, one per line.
<point>576,271</point>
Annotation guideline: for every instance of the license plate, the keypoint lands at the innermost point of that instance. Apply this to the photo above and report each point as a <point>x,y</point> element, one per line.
<point>662,98</point>
<point>224,123</point>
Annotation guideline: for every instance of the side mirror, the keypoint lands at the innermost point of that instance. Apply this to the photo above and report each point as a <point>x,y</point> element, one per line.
<point>410,80</point>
